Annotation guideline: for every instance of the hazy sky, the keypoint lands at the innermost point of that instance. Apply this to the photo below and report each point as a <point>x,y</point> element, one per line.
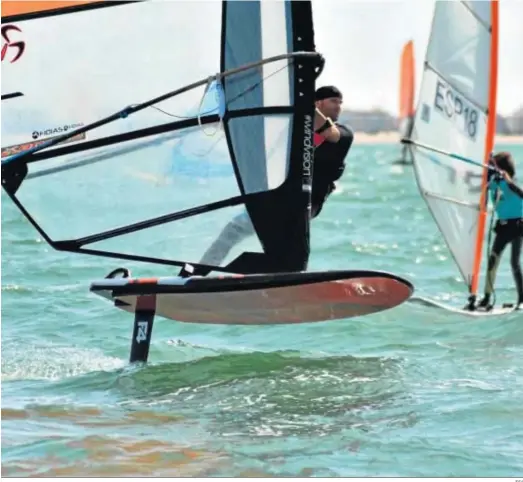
<point>362,42</point>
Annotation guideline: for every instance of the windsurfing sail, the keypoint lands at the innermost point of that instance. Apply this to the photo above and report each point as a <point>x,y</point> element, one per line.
<point>456,113</point>
<point>144,137</point>
<point>407,89</point>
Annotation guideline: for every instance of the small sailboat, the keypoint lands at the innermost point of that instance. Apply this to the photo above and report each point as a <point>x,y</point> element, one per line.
<point>406,98</point>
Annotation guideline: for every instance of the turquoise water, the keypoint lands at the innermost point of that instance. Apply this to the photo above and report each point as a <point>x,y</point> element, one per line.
<point>407,392</point>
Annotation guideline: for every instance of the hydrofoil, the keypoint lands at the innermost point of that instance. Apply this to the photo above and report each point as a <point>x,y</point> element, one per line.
<point>257,299</point>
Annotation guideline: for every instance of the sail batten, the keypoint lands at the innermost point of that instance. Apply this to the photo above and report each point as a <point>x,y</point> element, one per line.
<point>450,200</point>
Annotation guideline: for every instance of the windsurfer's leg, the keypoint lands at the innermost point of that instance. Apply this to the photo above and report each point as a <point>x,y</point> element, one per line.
<point>239,228</point>
<point>319,200</point>
<point>236,230</point>
<point>515,261</point>
<point>500,242</point>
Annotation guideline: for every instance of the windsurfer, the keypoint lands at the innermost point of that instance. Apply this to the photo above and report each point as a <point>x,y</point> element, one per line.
<point>329,156</point>
<point>508,201</point>
<point>332,144</point>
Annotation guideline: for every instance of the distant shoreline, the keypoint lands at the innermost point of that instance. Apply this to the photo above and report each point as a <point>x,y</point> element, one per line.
<point>394,138</point>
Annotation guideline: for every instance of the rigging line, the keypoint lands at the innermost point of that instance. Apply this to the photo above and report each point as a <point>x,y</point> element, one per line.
<point>241,94</point>
<point>248,89</point>
<point>228,103</point>
<point>220,96</point>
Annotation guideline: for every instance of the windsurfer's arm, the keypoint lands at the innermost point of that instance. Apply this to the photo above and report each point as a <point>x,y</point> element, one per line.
<point>510,183</point>
<point>346,137</point>
<point>326,127</point>
<point>334,158</point>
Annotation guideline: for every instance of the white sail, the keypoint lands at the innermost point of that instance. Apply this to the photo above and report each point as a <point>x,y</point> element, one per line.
<point>454,114</point>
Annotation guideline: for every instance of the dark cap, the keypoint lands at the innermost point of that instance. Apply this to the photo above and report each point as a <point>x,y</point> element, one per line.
<point>328,91</point>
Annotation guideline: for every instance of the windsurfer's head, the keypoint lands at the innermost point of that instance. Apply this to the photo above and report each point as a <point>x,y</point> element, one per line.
<point>328,101</point>
<point>505,162</point>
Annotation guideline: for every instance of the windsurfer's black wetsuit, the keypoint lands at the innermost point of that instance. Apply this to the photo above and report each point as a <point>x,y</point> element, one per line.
<point>509,230</point>
<point>329,165</point>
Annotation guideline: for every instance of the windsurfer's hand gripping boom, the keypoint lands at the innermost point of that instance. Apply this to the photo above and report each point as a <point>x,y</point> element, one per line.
<point>325,127</point>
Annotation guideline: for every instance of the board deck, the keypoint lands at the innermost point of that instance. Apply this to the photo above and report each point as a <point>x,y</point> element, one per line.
<point>261,299</point>
<point>497,311</point>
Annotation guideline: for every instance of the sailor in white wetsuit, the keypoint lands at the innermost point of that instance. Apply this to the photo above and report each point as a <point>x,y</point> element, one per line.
<point>332,141</point>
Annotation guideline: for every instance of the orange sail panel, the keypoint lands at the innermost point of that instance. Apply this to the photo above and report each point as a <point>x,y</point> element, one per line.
<point>407,81</point>
<point>22,7</point>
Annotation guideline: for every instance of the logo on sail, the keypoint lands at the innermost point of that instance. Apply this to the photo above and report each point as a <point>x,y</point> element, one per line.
<point>456,108</point>
<point>55,130</point>
<point>15,49</point>
<point>308,152</point>
<point>41,136</point>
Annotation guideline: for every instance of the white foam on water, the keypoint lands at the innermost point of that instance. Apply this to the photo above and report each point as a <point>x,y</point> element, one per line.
<point>48,362</point>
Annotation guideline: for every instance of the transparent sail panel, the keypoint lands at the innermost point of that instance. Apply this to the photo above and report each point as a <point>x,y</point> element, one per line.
<point>263,160</point>
<point>257,30</point>
<point>214,238</point>
<point>121,66</point>
<point>97,190</point>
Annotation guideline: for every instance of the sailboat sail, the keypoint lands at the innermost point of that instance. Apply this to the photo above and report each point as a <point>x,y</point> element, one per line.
<point>407,89</point>
<point>150,173</point>
<point>456,113</point>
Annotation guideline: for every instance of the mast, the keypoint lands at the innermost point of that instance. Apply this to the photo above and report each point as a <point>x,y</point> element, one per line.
<point>489,143</point>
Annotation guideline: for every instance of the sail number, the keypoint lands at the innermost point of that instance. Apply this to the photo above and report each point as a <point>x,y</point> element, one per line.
<point>455,108</point>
